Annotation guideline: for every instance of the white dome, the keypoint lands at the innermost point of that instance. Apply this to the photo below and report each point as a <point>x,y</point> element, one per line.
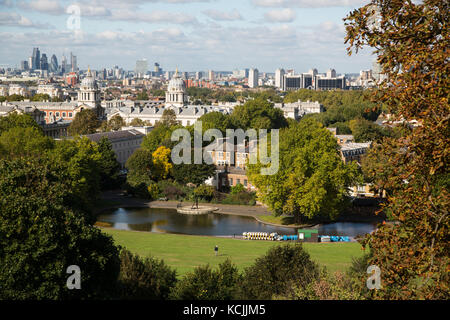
<point>176,84</point>
<point>89,82</point>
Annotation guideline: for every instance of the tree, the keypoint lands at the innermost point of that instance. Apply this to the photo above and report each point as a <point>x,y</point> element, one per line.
<point>142,95</point>
<point>216,120</point>
<point>116,122</point>
<point>41,97</point>
<point>40,236</point>
<point>311,181</point>
<point>24,142</point>
<point>85,122</point>
<point>140,166</point>
<point>109,167</point>
<point>169,118</point>
<point>82,161</point>
<point>15,120</point>
<point>207,284</point>
<point>136,122</point>
<point>205,192</point>
<point>258,114</point>
<point>411,42</point>
<point>148,278</point>
<point>364,130</point>
<point>274,273</point>
<point>159,136</point>
<point>192,173</point>
<point>161,163</point>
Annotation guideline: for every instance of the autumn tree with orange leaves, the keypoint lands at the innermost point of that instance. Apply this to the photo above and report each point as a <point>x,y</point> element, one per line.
<point>411,40</point>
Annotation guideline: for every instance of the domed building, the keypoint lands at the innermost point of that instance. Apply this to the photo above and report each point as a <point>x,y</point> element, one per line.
<point>176,95</point>
<point>89,93</point>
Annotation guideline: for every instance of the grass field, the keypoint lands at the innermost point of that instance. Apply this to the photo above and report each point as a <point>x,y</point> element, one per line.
<point>185,252</point>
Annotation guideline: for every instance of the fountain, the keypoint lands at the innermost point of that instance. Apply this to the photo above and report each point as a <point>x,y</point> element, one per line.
<point>195,208</point>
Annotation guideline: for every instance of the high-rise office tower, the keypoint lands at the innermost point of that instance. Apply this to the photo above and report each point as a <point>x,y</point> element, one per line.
<point>158,70</point>
<point>253,78</point>
<point>44,62</point>
<point>331,73</point>
<point>64,64</point>
<point>279,76</point>
<point>73,62</point>
<point>36,59</point>
<point>211,75</point>
<point>198,75</point>
<point>141,68</point>
<point>24,65</point>
<point>54,64</point>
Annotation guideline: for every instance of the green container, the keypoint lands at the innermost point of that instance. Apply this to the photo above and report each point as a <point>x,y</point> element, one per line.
<point>307,234</point>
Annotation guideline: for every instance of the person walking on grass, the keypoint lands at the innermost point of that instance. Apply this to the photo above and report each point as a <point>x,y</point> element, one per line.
<point>216,249</point>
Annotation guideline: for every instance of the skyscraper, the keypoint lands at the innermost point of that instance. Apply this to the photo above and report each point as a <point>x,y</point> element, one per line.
<point>54,64</point>
<point>141,68</point>
<point>73,62</point>
<point>279,76</point>
<point>24,65</point>
<point>44,62</point>
<point>64,64</point>
<point>36,59</point>
<point>253,78</point>
<point>211,75</point>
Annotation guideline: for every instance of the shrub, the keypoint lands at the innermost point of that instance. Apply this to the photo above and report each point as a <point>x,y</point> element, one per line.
<point>237,189</point>
<point>153,191</point>
<point>147,278</point>
<point>243,198</point>
<point>207,284</point>
<point>275,273</point>
<point>204,192</point>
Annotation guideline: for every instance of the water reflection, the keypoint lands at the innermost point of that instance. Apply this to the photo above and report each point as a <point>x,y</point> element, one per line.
<point>169,221</point>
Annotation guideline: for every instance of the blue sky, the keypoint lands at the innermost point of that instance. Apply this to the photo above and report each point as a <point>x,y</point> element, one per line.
<point>189,34</point>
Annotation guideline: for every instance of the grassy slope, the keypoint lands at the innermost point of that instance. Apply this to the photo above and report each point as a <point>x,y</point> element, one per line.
<point>185,252</point>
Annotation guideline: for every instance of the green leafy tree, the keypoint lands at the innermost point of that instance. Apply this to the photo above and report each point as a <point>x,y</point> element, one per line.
<point>142,95</point>
<point>15,120</point>
<point>140,166</point>
<point>109,167</point>
<point>311,181</point>
<point>365,130</point>
<point>169,118</point>
<point>258,114</point>
<point>136,122</point>
<point>216,120</point>
<point>24,142</point>
<point>82,161</point>
<point>41,97</point>
<point>116,122</point>
<point>148,278</point>
<point>276,272</point>
<point>411,42</point>
<point>207,284</point>
<point>41,235</point>
<point>159,136</point>
<point>85,122</point>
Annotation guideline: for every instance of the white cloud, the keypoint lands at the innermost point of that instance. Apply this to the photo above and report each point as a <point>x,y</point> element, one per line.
<point>223,16</point>
<point>309,3</point>
<point>46,6</point>
<point>13,19</point>
<point>283,15</point>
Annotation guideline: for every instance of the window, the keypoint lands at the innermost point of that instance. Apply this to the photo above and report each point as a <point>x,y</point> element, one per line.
<point>231,181</point>
<point>245,183</point>
<point>188,122</point>
<point>51,113</point>
<point>70,114</point>
<point>57,114</point>
<point>64,115</point>
<point>238,181</point>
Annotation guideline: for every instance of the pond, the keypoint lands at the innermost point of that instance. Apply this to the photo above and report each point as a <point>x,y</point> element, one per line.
<point>213,224</point>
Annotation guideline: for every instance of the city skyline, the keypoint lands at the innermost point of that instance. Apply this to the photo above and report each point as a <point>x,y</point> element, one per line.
<point>188,34</point>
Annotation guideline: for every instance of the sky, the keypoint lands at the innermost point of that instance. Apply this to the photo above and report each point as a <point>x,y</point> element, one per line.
<point>191,35</point>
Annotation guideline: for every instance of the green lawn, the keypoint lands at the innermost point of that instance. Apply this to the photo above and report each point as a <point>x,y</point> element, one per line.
<point>185,252</point>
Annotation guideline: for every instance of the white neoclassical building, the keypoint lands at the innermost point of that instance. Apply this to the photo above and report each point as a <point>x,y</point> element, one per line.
<point>176,95</point>
<point>176,100</point>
